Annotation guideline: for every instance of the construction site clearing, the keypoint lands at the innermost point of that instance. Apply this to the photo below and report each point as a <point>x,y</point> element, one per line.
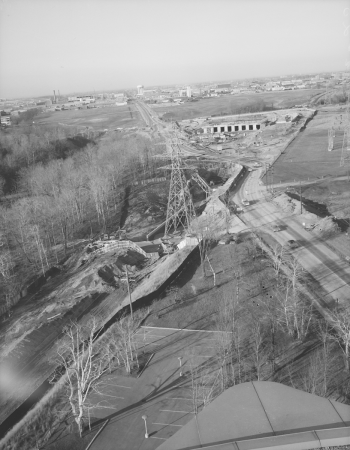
<point>90,282</point>
<point>93,279</point>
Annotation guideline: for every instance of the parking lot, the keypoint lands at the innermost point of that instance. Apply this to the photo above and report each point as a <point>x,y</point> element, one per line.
<point>164,391</point>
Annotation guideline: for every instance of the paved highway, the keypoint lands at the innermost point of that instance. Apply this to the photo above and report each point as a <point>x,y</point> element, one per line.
<point>331,271</point>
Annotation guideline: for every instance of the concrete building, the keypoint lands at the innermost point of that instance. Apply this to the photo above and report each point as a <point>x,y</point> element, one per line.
<point>189,91</point>
<point>140,89</point>
<point>229,127</point>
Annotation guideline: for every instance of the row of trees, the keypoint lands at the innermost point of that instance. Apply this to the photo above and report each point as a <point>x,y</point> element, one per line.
<point>262,338</point>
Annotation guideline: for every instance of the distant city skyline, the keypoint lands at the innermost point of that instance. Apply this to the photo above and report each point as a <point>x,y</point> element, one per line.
<point>103,45</point>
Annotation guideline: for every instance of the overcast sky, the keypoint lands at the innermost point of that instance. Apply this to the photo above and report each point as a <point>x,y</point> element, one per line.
<point>87,45</point>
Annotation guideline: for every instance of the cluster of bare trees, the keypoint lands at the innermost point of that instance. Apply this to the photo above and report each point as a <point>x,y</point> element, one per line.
<point>256,336</point>
<point>69,198</point>
<point>86,360</point>
<point>26,145</point>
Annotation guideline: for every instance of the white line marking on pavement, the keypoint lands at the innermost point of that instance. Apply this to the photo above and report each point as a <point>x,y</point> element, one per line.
<point>171,410</point>
<point>179,398</point>
<point>185,329</point>
<point>155,437</point>
<point>167,424</point>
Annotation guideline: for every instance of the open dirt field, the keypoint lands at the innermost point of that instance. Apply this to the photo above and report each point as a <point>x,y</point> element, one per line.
<point>307,157</point>
<point>234,104</point>
<point>96,118</point>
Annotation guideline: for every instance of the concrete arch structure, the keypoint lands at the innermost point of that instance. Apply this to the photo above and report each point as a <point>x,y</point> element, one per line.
<point>231,127</point>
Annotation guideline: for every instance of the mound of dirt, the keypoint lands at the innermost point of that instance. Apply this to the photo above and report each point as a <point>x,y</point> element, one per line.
<point>326,227</point>
<point>287,204</point>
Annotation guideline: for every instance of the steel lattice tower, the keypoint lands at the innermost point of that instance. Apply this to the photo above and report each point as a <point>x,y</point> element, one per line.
<point>180,206</point>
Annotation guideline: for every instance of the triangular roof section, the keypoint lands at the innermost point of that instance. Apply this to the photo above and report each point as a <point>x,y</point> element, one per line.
<point>260,409</point>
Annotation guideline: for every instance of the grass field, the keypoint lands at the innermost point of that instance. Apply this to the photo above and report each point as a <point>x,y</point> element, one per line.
<point>96,118</point>
<point>307,157</point>
<point>235,104</point>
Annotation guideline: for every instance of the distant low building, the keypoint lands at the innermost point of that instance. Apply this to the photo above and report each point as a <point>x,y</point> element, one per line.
<point>224,86</point>
<point>121,99</point>
<point>5,120</point>
<point>149,93</point>
<point>228,127</point>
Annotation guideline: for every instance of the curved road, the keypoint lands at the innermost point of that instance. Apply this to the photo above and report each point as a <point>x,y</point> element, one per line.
<point>332,272</point>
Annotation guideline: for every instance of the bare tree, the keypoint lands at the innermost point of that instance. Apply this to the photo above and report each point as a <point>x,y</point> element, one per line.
<point>317,372</point>
<point>258,345</point>
<point>341,324</point>
<point>231,337</point>
<point>294,311</point>
<point>296,272</point>
<point>205,229</point>
<point>83,367</point>
<point>269,304</point>
<point>278,258</point>
<point>205,385</point>
<point>123,343</point>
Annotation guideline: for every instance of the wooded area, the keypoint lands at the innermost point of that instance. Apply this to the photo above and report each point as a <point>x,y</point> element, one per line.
<point>53,192</point>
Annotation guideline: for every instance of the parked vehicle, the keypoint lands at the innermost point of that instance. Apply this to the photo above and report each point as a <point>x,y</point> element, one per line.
<point>276,228</point>
<point>245,202</point>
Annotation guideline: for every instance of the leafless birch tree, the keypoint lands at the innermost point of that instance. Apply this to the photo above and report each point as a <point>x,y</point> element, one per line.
<point>83,367</point>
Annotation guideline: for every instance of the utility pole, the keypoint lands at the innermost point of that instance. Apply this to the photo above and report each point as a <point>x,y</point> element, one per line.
<point>267,176</point>
<point>127,282</point>
<point>271,169</point>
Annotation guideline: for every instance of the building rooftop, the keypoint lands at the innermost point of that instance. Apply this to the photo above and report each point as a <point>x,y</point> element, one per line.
<point>265,415</point>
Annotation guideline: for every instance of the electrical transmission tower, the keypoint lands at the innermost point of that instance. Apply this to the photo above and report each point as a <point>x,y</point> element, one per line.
<point>180,207</point>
